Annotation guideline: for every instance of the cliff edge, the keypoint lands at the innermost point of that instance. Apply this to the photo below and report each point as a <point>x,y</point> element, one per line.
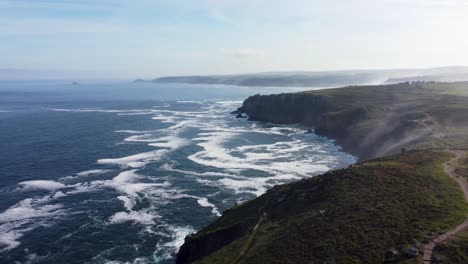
<point>373,121</point>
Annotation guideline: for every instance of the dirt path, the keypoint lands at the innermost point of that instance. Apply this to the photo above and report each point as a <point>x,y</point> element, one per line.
<point>249,240</point>
<point>449,168</point>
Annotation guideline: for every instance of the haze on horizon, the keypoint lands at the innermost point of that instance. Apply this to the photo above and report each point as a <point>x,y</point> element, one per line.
<point>144,38</point>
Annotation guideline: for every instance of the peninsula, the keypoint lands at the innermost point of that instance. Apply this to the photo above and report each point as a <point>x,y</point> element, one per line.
<point>403,202</point>
<point>325,78</point>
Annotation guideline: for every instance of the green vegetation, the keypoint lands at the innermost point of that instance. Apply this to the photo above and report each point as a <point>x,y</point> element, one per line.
<point>353,215</point>
<point>453,252</point>
<point>462,167</point>
<point>452,88</point>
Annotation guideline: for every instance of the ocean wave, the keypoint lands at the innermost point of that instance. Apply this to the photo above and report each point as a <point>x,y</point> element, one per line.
<point>41,185</point>
<point>167,250</point>
<point>25,216</point>
<point>204,203</point>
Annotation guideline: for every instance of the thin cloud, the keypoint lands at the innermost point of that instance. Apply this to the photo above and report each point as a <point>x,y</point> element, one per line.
<point>221,17</point>
<point>241,52</point>
<point>46,26</point>
<point>64,4</point>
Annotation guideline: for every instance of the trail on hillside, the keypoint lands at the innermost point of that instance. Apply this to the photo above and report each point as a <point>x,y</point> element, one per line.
<point>449,168</point>
<point>250,240</point>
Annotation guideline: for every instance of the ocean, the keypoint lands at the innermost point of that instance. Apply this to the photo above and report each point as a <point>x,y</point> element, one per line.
<point>115,172</point>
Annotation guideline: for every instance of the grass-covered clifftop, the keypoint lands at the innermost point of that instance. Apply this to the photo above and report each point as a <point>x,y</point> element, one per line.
<point>372,121</point>
<point>354,215</point>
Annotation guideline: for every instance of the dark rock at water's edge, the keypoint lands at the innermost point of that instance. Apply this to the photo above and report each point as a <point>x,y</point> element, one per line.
<point>196,248</point>
<point>240,115</point>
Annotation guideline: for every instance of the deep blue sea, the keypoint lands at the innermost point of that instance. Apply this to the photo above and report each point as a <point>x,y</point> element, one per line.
<point>115,172</point>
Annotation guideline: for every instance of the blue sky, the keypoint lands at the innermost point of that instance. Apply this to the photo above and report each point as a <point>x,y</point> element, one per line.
<point>143,38</point>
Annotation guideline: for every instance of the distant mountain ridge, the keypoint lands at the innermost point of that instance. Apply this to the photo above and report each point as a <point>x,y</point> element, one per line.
<point>326,78</point>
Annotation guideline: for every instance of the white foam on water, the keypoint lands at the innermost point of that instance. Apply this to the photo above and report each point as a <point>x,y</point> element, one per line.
<point>136,113</point>
<point>91,172</point>
<point>244,186</point>
<point>135,161</point>
<point>204,203</point>
<point>189,102</point>
<point>98,110</point>
<point>9,236</point>
<point>229,103</point>
<point>214,154</point>
<point>41,185</point>
<point>166,250</point>
<point>168,167</point>
<point>29,208</point>
<point>25,216</point>
<point>59,194</point>
<point>164,118</point>
<point>170,142</point>
<point>127,182</point>
<point>143,217</point>
<point>141,138</point>
<point>135,131</point>
<point>127,202</point>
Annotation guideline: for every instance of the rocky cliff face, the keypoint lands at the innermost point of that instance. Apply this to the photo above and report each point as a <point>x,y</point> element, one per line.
<point>286,108</point>
<point>196,247</point>
<point>312,110</point>
<point>367,121</point>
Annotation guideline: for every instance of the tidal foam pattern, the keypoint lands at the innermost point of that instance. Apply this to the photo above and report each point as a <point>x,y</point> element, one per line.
<point>198,161</point>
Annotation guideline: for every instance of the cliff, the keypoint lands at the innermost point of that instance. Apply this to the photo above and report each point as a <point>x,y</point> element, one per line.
<point>373,121</point>
<point>378,211</point>
<point>370,213</point>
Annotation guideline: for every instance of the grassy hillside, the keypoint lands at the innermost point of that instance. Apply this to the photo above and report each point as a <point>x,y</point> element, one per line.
<point>353,215</point>
<point>454,251</point>
<point>373,121</point>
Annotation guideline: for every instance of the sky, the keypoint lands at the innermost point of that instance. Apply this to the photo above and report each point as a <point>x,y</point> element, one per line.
<point>147,39</point>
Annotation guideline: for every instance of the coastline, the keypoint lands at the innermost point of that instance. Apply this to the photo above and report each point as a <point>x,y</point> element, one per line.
<point>358,119</point>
